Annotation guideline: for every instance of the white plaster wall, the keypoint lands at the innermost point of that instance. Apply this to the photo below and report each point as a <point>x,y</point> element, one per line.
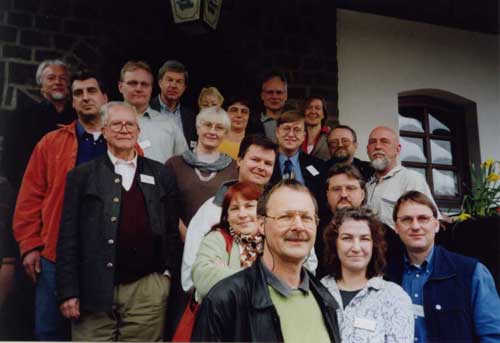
<point>379,57</point>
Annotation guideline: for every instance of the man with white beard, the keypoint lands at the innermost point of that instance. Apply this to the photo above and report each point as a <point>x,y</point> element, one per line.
<point>33,119</point>
<point>391,178</point>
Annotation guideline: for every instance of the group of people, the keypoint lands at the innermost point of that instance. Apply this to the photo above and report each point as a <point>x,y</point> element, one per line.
<point>132,211</point>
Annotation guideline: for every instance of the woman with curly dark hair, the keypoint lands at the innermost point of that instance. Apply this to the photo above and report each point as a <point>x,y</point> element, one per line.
<point>371,309</point>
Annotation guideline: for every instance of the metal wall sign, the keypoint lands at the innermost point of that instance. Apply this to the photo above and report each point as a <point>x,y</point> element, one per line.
<point>185,10</point>
<point>192,10</point>
<point>211,12</point>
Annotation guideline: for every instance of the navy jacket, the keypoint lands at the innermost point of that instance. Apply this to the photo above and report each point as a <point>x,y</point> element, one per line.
<point>447,296</point>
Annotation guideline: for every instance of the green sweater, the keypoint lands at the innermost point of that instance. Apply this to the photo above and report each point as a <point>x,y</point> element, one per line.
<point>300,317</point>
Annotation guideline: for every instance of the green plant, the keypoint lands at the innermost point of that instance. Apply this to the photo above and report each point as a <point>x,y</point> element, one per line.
<point>484,198</point>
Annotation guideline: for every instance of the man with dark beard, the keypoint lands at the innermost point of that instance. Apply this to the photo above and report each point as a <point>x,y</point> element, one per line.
<point>343,143</point>
<point>391,178</point>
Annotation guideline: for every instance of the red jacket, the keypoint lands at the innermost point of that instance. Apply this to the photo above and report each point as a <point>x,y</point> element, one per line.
<point>39,204</point>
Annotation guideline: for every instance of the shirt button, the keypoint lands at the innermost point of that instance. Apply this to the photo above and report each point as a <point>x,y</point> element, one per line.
<point>109,265</point>
<point>117,180</point>
<point>418,275</point>
<point>438,307</point>
<point>113,219</point>
<point>415,295</point>
<point>111,242</point>
<point>416,339</point>
<point>115,199</point>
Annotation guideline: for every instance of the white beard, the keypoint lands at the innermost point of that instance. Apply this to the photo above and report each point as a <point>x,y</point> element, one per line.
<point>57,96</point>
<point>380,163</point>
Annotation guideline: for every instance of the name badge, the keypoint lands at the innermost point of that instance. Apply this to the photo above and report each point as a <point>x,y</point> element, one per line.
<point>192,144</point>
<point>366,324</point>
<point>312,170</point>
<point>147,179</point>
<point>145,144</point>
<point>418,310</point>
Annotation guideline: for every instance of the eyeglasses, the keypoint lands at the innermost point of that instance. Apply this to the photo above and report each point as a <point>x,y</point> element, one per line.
<point>271,92</point>
<point>348,189</point>
<point>288,218</point>
<point>219,128</point>
<point>408,220</point>
<point>335,142</point>
<point>295,130</point>
<point>117,126</point>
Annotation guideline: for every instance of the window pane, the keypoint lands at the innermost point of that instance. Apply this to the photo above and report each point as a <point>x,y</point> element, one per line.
<point>412,150</point>
<point>437,127</point>
<point>419,170</point>
<point>445,182</point>
<point>410,124</point>
<point>441,152</point>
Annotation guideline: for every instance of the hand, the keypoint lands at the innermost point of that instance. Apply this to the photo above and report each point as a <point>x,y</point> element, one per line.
<point>71,308</point>
<point>31,263</point>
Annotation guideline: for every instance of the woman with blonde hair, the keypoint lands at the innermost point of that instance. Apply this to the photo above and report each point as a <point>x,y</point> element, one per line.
<point>210,96</point>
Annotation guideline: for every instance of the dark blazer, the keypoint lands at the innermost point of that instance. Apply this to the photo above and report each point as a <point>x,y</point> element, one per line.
<point>315,183</point>
<point>240,309</point>
<point>86,249</point>
<point>188,118</point>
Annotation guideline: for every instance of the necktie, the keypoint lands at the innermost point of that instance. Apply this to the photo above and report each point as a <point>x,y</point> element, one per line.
<point>288,171</point>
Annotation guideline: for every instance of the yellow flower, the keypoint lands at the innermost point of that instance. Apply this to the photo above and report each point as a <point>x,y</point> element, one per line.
<point>493,177</point>
<point>488,163</point>
<point>463,216</point>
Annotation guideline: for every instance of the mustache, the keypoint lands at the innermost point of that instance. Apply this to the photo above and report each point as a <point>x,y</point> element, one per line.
<point>297,236</point>
<point>379,152</point>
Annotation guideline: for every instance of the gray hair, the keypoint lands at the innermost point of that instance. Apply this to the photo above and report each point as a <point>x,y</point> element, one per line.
<point>44,65</point>
<point>104,111</point>
<point>214,111</point>
<point>175,66</point>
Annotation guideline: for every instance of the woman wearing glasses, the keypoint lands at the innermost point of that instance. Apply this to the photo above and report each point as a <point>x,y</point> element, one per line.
<point>201,171</point>
<point>234,243</point>
<point>371,309</point>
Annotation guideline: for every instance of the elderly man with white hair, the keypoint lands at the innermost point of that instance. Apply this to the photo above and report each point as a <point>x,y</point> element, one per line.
<point>33,120</point>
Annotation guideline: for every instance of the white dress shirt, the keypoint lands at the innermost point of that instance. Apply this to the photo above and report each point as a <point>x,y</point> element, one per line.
<point>124,168</point>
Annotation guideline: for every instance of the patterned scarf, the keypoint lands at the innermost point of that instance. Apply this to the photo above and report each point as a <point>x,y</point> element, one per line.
<point>221,163</point>
<point>252,246</point>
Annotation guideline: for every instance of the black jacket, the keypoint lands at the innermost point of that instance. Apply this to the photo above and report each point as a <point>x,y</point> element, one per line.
<point>86,249</point>
<point>188,118</point>
<point>364,167</point>
<point>239,309</point>
<point>315,183</point>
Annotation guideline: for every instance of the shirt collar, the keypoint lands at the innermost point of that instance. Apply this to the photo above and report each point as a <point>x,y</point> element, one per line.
<point>166,108</point>
<point>390,174</point>
<point>150,112</point>
<point>81,132</point>
<point>295,158</point>
<point>282,288</point>
<point>427,262</point>
<point>264,117</point>
<point>115,160</point>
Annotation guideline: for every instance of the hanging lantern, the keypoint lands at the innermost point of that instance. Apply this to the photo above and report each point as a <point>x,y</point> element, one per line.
<point>187,11</point>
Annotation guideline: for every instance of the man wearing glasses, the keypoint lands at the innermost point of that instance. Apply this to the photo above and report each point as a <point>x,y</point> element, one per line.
<point>454,296</point>
<point>276,299</point>
<point>274,94</point>
<point>292,162</point>
<point>160,136</point>
<point>119,240</point>
<point>343,143</point>
<point>39,205</point>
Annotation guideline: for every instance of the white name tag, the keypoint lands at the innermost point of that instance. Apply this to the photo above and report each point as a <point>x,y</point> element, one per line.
<point>312,170</point>
<point>363,323</point>
<point>192,144</point>
<point>418,310</point>
<point>145,144</point>
<point>147,179</point>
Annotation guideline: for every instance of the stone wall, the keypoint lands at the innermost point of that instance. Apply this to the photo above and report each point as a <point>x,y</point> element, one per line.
<point>34,30</point>
<point>297,37</point>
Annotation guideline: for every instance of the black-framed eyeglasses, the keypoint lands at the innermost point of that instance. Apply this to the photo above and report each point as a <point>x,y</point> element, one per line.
<point>117,126</point>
